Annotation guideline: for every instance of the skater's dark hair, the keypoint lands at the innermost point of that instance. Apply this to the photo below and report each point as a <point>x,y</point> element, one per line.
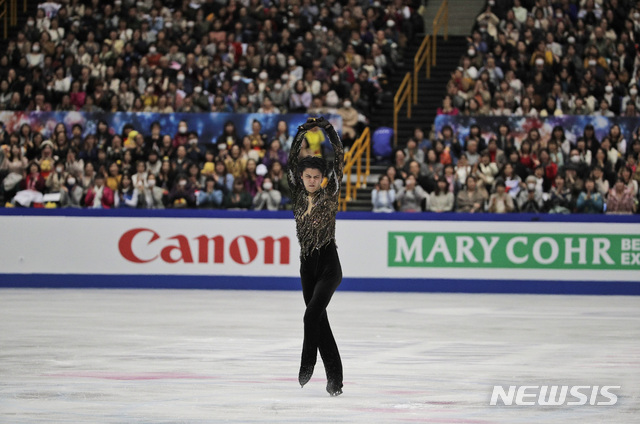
<point>312,162</point>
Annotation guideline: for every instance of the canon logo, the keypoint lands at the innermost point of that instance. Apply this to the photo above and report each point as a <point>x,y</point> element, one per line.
<point>201,249</point>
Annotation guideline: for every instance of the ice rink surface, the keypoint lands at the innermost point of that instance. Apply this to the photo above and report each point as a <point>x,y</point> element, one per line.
<point>188,356</point>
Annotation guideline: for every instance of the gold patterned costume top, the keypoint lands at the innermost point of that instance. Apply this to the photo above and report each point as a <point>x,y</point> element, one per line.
<point>317,228</point>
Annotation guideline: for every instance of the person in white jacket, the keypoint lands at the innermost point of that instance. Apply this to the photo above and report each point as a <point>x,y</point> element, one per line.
<point>383,195</point>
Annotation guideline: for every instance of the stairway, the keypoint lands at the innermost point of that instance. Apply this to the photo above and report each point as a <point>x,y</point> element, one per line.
<point>430,94</point>
<point>430,91</point>
<point>362,201</point>
<point>32,9</point>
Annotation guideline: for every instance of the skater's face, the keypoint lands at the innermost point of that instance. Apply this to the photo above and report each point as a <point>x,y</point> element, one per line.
<point>312,178</point>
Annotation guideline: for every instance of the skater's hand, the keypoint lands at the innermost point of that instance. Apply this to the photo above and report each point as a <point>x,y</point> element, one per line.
<point>315,122</point>
<point>323,123</point>
<point>310,124</point>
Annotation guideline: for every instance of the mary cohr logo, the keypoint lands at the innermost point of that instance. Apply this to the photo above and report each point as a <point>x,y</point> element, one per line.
<point>553,395</point>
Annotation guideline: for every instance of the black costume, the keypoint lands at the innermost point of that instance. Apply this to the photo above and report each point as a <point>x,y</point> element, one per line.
<point>320,269</point>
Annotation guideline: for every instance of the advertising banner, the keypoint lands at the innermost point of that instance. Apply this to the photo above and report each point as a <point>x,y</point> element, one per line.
<point>375,253</point>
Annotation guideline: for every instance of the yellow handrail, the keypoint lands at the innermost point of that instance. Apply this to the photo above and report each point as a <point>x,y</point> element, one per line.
<point>422,56</point>
<point>441,19</point>
<point>362,146</point>
<point>5,17</point>
<point>402,95</point>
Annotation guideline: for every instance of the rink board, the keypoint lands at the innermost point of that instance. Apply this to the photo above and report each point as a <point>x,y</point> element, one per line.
<point>516,253</point>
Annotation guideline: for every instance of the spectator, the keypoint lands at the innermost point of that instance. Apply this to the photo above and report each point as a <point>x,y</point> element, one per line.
<point>383,196</point>
<point>280,182</point>
<point>300,98</point>
<point>127,194</point>
<point>395,177</point>
<point>251,177</point>
<point>56,179</point>
<point>315,137</point>
<point>589,200</point>
<point>486,171</point>
<point>239,198</point>
<point>601,184</point>
<point>472,198</point>
<point>32,188</point>
<point>560,197</point>
<point>13,166</point>
<point>71,193</point>
<point>235,163</point>
<point>447,107</point>
<point>433,167</point>
<point>99,196</point>
<point>181,137</point>
<point>441,200</point>
<point>257,140</point>
<point>267,197</point>
<point>152,196</point>
<point>625,174</point>
<point>275,153</point>
<point>463,170</point>
<point>500,201</point>
<point>410,198</point>
<point>210,197</point>
<point>420,173</point>
<point>620,199</point>
<point>530,197</point>
<point>183,194</point>
<point>473,156</point>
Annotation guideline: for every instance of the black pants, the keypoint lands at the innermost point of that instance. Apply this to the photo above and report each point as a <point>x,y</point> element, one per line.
<point>321,275</point>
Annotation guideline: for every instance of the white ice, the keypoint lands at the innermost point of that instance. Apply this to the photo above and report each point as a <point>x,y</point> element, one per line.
<point>161,356</point>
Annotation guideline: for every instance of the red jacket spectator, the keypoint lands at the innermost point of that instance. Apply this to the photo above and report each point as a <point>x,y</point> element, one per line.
<point>106,200</point>
<point>34,182</point>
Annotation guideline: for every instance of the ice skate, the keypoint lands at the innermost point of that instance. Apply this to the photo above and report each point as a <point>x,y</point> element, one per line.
<point>306,371</point>
<point>334,388</point>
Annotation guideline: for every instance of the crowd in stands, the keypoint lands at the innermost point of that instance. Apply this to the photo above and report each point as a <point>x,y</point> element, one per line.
<point>497,173</point>
<point>200,56</point>
<point>548,58</point>
<point>532,58</point>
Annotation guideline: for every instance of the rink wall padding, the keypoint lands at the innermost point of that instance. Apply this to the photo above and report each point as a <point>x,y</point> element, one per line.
<point>199,249</point>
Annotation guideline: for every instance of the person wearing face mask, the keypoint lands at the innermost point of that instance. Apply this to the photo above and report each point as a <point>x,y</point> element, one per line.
<point>295,71</point>
<point>56,179</point>
<point>279,93</point>
<point>266,197</point>
<point>153,57</point>
<point>181,137</point>
<point>530,197</point>
<point>35,58</point>
<point>352,122</point>
<point>632,97</point>
<point>194,152</point>
<point>613,99</point>
<point>71,193</point>
<point>263,80</point>
<point>200,100</point>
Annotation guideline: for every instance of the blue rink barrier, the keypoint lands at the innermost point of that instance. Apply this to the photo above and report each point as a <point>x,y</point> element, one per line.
<point>388,283</point>
<point>197,282</point>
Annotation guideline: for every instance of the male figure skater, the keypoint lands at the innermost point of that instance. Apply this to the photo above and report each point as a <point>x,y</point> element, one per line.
<point>314,208</point>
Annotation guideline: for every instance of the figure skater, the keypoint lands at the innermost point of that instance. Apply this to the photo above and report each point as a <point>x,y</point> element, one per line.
<point>314,208</point>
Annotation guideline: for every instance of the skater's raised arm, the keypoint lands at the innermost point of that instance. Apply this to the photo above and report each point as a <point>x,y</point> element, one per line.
<point>295,182</point>
<point>334,176</point>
